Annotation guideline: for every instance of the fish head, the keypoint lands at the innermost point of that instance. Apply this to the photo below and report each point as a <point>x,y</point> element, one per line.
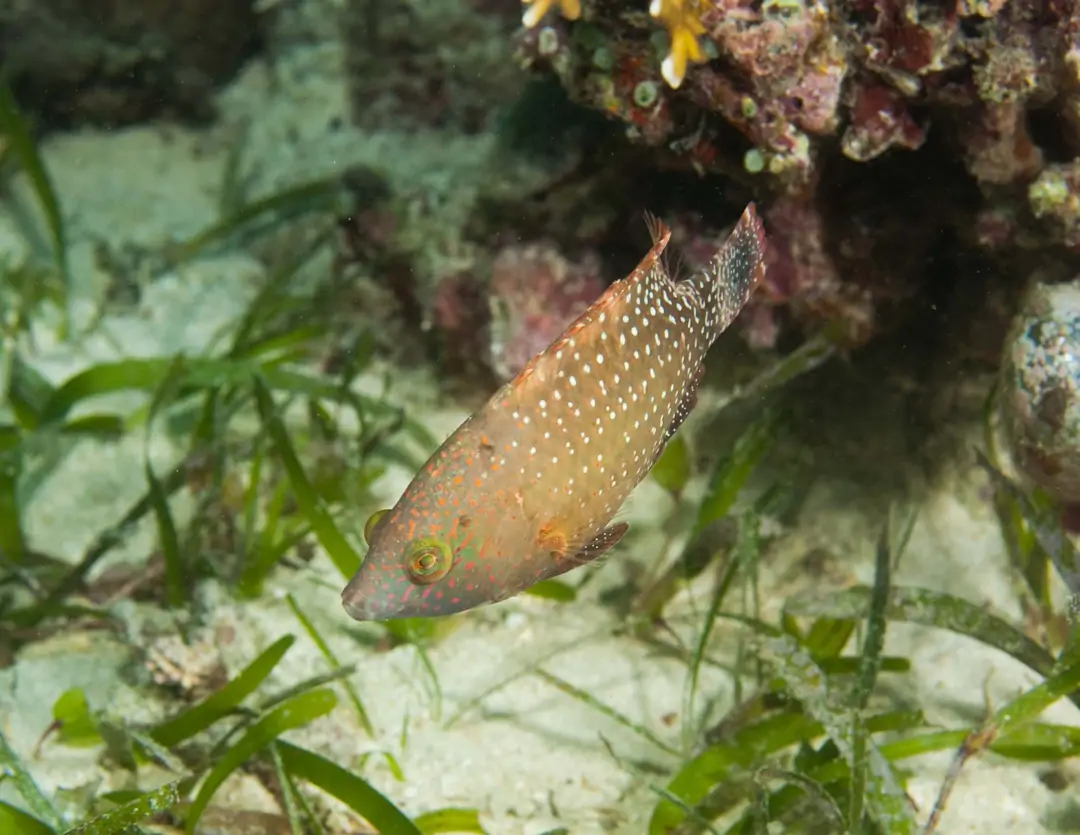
<point>420,568</point>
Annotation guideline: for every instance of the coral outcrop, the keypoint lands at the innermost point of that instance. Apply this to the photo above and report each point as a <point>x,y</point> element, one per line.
<point>775,93</point>
<point>789,75</point>
<point>1040,390</point>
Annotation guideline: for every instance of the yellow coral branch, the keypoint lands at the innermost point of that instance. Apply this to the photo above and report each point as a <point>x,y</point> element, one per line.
<point>536,10</point>
<point>682,19</point>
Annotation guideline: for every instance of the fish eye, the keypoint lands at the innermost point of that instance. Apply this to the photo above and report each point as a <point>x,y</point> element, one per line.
<point>372,523</point>
<point>429,561</point>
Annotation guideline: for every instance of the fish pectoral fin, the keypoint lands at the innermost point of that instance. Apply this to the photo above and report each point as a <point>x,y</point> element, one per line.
<point>553,540</point>
<point>592,550</point>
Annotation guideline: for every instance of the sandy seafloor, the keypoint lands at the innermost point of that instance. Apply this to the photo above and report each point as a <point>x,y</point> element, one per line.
<point>530,758</point>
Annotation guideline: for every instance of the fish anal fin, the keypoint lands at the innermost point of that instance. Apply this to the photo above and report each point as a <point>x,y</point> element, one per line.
<point>604,541</point>
<point>686,404</point>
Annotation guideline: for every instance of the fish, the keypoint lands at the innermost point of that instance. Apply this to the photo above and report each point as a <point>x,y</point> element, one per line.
<point>527,488</point>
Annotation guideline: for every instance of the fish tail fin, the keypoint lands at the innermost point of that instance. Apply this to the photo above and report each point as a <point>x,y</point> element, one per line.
<point>726,283</point>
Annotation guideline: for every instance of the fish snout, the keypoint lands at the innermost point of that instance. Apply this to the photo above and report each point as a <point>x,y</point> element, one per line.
<point>359,605</point>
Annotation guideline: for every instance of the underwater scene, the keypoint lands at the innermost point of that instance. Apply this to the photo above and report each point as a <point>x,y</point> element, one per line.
<point>560,417</point>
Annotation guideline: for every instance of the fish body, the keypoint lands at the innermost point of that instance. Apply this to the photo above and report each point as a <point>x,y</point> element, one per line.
<point>527,487</point>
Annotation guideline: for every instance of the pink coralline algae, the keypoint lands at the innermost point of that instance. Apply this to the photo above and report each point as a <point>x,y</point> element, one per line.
<point>879,121</point>
<point>535,293</point>
<point>789,67</point>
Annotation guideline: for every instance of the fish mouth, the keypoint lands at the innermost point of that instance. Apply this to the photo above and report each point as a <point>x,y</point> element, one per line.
<point>359,606</point>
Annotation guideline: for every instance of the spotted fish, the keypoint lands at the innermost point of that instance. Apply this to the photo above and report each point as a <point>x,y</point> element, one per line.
<point>526,489</point>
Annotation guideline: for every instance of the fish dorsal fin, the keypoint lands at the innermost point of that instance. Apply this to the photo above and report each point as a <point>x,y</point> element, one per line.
<point>658,230</point>
<point>661,234</point>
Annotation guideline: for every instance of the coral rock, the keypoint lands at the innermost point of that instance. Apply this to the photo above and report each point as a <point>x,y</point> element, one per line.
<point>998,147</point>
<point>535,294</point>
<point>1040,390</point>
<point>459,318</point>
<point>1055,197</point>
<point>879,121</point>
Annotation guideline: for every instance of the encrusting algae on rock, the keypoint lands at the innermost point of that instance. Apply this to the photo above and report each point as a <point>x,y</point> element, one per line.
<point>527,487</point>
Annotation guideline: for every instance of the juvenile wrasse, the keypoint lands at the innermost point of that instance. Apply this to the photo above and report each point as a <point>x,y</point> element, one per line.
<point>526,488</point>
